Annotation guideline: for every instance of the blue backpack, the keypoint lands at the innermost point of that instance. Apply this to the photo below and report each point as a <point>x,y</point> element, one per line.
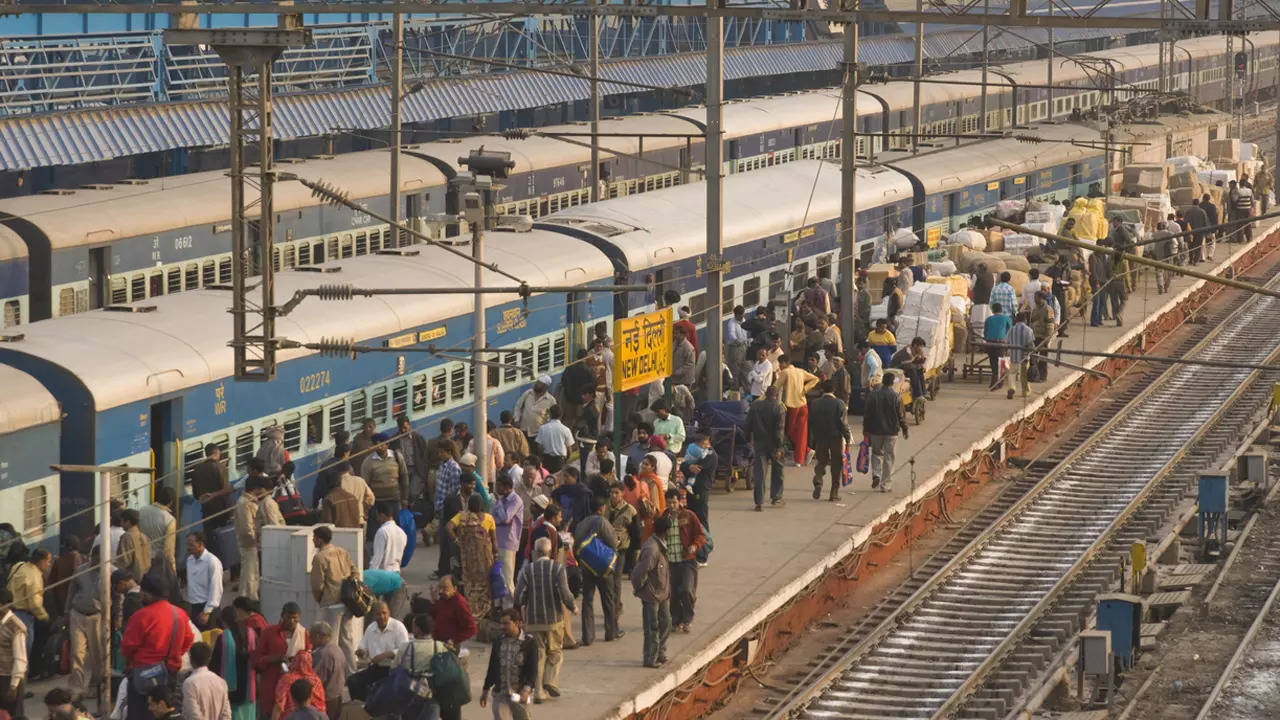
<point>704,552</point>
<point>409,525</point>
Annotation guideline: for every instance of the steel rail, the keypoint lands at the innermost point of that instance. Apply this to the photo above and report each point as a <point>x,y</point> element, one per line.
<point>808,691</point>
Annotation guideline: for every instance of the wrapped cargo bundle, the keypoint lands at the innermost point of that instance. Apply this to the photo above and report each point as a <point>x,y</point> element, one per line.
<point>1022,244</point>
<point>926,313</point>
<point>1014,262</point>
<point>970,261</point>
<point>971,239</point>
<point>903,239</point>
<point>1006,209</point>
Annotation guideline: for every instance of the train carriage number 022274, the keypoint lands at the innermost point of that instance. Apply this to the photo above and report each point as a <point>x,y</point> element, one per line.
<point>314,381</point>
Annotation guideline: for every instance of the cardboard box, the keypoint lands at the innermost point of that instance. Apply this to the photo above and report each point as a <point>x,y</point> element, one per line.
<point>876,275</point>
<point>1145,178</point>
<point>1180,180</point>
<point>1226,149</point>
<point>1182,197</point>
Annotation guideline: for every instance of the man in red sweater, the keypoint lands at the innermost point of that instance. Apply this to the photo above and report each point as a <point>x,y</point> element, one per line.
<point>157,633</point>
<point>277,644</point>
<point>451,615</point>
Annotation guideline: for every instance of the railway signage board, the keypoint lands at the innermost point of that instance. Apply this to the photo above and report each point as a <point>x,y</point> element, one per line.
<point>643,347</point>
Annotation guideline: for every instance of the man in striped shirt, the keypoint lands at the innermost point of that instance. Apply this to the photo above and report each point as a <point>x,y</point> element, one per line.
<point>1003,293</point>
<point>542,593</point>
<point>1021,341</point>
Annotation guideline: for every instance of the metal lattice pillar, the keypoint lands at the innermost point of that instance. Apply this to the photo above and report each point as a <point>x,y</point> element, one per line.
<point>248,53</point>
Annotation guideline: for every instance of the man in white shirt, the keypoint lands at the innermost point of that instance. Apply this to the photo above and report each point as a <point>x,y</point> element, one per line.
<point>761,374</point>
<point>377,650</point>
<point>736,341</point>
<point>204,580</point>
<point>533,406</point>
<point>389,542</point>
<point>1030,290</point>
<point>554,440</point>
<point>204,694</point>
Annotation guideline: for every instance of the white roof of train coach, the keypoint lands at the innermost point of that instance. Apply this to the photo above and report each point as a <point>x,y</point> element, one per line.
<point>998,158</point>
<point>657,227</point>
<point>123,357</point>
<point>26,402</point>
<point>90,216</point>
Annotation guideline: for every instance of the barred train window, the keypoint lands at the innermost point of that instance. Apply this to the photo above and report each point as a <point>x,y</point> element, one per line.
<point>293,434</point>
<point>244,449</point>
<point>337,417</point>
<point>421,393</point>
<point>35,510</point>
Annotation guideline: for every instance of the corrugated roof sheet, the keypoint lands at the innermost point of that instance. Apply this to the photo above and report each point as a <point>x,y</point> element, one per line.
<point>82,136</point>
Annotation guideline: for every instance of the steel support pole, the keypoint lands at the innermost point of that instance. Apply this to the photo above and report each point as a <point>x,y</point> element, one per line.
<point>714,143</point>
<point>848,185</point>
<point>986,62</point>
<point>1231,83</point>
<point>265,227</point>
<point>397,94</point>
<point>1049,76</point>
<point>479,372</point>
<point>241,260</point>
<point>593,104</point>
<point>915,89</point>
<point>1275,152</point>
<point>104,582</point>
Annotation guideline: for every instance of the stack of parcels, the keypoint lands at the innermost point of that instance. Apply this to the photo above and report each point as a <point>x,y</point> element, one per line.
<point>926,313</point>
<point>1022,244</point>
<point>1145,178</point>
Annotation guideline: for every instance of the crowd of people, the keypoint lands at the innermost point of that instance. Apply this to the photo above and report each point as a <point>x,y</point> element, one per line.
<point>563,520</point>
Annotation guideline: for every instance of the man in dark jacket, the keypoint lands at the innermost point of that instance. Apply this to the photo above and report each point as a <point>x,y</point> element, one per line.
<point>882,420</point>
<point>766,421</point>
<point>683,540</point>
<point>1211,214</point>
<point>543,596</point>
<point>597,524</point>
<point>828,432</point>
<point>1099,276</point>
<point>413,448</point>
<point>577,381</point>
<point>1197,220</point>
<point>514,655</point>
<point>651,582</point>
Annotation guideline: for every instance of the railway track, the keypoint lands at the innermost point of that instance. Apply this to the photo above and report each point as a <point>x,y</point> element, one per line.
<point>968,638</point>
<point>1246,688</point>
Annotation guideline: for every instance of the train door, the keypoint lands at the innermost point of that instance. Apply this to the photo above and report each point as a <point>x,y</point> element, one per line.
<point>99,266</point>
<point>415,210</point>
<point>949,222</point>
<point>166,450</point>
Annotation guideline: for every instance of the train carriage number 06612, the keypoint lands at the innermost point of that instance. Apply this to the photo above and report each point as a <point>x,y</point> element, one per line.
<point>314,381</point>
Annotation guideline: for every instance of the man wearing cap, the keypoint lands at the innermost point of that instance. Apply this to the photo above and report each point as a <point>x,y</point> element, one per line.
<point>272,452</point>
<point>533,407</point>
<point>385,471</point>
<point>158,634</point>
<point>467,468</point>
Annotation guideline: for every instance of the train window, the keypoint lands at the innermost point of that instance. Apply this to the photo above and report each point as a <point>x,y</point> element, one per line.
<point>192,276</point>
<point>493,375</point>
<point>458,382</point>
<point>544,357</point>
<point>421,393</point>
<point>362,244</point>
<point>726,299</point>
<point>824,266</point>
<point>224,444</point>
<point>751,292</point>
<point>337,417</point>
<point>35,510</point>
<point>12,313</point>
<point>698,306</point>
<point>304,254</point>
<point>156,284</point>
<point>400,397</point>
<point>119,290</point>
<point>317,252</point>
<point>275,259</point>
<point>799,274</point>
<point>315,427</point>
<point>137,287</point>
<point>778,285</point>
<point>174,280</point>
<point>379,240</point>
<point>380,405</point>
<point>347,245</point>
<point>224,271</point>
<point>244,449</point>
<point>289,256</point>
<point>511,372</point>
<point>439,381</point>
<point>559,351</point>
<point>208,273</point>
<point>293,433</point>
<point>190,459</point>
<point>66,301</point>
<point>359,407</point>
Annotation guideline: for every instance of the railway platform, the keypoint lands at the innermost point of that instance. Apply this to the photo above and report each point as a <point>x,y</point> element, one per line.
<point>774,572</point>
